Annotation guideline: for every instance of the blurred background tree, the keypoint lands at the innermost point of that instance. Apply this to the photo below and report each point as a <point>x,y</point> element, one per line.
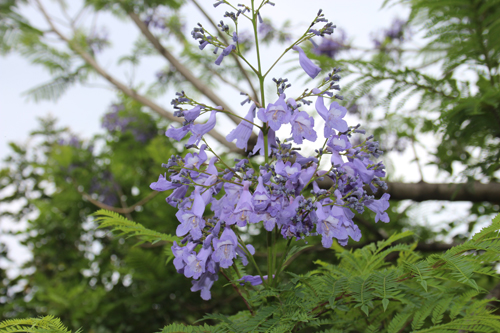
<point>445,91</point>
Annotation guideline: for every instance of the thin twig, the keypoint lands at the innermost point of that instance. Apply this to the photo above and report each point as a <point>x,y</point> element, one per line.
<point>417,160</point>
<point>239,292</point>
<point>123,210</point>
<point>122,202</point>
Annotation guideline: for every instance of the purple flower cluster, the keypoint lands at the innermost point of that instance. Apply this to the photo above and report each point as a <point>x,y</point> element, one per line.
<point>103,185</point>
<point>278,194</point>
<point>156,19</point>
<point>398,31</point>
<point>73,141</point>
<point>116,121</point>
<point>289,193</point>
<point>204,38</point>
<point>331,47</point>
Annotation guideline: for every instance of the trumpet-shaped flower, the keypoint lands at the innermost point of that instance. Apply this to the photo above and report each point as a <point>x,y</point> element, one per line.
<point>191,115</point>
<point>204,284</point>
<point>243,131</point>
<point>303,127</point>
<point>276,114</point>
<point>332,116</point>
<point>199,130</point>
<point>379,207</point>
<point>192,220</point>
<point>225,248</point>
<point>307,65</point>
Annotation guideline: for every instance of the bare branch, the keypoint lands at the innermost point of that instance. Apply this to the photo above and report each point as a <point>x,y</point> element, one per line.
<point>124,210</point>
<point>122,202</point>
<point>188,75</point>
<point>417,160</point>
<point>473,191</point>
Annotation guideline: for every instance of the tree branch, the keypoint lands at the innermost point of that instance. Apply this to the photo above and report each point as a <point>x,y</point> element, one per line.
<point>188,75</point>
<point>125,89</point>
<point>473,191</point>
<point>183,70</point>
<point>239,292</point>
<point>124,210</point>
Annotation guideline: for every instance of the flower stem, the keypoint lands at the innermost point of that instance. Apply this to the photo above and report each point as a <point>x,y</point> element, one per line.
<point>269,258</point>
<point>239,292</point>
<point>250,256</point>
<point>282,259</point>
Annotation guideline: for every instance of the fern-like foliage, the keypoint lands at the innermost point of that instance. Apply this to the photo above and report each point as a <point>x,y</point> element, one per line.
<point>368,290</point>
<point>127,228</point>
<point>47,324</point>
<point>365,292</point>
<point>179,328</point>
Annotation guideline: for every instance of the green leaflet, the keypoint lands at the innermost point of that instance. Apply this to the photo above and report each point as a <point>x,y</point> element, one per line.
<point>34,325</point>
<point>179,328</point>
<point>127,228</point>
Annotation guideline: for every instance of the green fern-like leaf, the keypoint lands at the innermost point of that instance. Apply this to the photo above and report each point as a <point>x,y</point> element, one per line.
<point>424,312</point>
<point>180,328</point>
<point>399,321</point>
<point>486,232</point>
<point>127,228</point>
<point>47,324</point>
<point>439,310</point>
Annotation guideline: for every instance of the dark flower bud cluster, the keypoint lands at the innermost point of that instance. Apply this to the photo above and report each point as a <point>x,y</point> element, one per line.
<point>223,27</point>
<point>327,29</point>
<point>399,31</point>
<point>233,16</point>
<point>288,193</point>
<point>281,85</point>
<point>156,18</point>
<point>204,39</point>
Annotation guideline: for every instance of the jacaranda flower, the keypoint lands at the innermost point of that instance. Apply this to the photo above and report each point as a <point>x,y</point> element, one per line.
<point>192,219</point>
<point>276,114</point>
<point>199,130</point>
<point>307,65</point>
<point>333,116</point>
<point>303,127</point>
<point>243,131</point>
<point>225,248</point>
